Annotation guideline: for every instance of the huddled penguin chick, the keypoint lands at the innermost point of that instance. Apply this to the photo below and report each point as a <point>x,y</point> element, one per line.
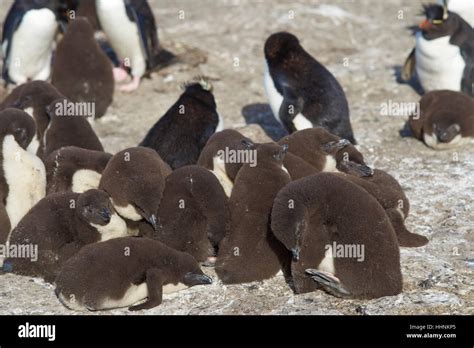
<point>194,214</point>
<point>74,169</point>
<point>340,238</point>
<point>180,135</point>
<point>135,179</point>
<point>326,152</point>
<point>33,98</point>
<point>388,192</point>
<point>443,57</point>
<point>28,39</point>
<point>216,146</point>
<point>68,126</point>
<point>446,120</point>
<point>123,272</point>
<point>302,92</point>
<point>82,71</point>
<point>250,252</point>
<point>22,174</point>
<point>60,225</point>
<point>133,35</point>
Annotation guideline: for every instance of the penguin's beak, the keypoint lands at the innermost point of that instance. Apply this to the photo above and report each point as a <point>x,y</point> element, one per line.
<point>153,221</point>
<point>295,253</point>
<point>105,214</point>
<point>426,24</point>
<point>336,145</point>
<point>197,279</point>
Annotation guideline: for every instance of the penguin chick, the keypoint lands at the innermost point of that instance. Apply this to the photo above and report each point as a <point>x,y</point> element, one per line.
<point>74,169</point>
<point>60,225</point>
<point>316,216</point>
<point>250,252</point>
<point>68,126</point>
<point>302,92</point>
<point>180,135</point>
<point>194,214</point>
<point>33,98</point>
<point>82,71</point>
<point>123,272</point>
<point>388,192</point>
<point>326,152</point>
<point>446,120</point>
<point>22,174</point>
<point>218,143</point>
<point>135,179</point>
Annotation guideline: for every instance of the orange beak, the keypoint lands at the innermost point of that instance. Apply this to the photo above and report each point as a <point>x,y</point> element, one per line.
<point>426,24</point>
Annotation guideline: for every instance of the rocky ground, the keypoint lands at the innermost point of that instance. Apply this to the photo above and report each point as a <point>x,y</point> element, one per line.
<point>363,42</point>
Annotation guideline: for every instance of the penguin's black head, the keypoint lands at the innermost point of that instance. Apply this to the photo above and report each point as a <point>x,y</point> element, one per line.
<point>32,94</point>
<point>270,153</point>
<point>279,44</point>
<point>19,124</point>
<point>95,207</point>
<point>439,22</point>
<point>80,28</point>
<point>200,89</point>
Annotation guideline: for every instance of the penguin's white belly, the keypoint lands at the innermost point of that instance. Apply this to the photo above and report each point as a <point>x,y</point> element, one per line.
<point>84,180</point>
<point>122,34</point>
<point>330,165</point>
<point>276,99</point>
<point>25,175</point>
<point>32,45</point>
<point>439,65</point>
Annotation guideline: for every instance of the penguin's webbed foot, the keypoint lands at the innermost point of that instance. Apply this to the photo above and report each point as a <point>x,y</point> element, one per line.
<point>210,262</point>
<point>119,74</point>
<point>328,282</point>
<point>132,86</point>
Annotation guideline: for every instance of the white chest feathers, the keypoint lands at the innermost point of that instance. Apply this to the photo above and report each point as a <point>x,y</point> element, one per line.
<point>114,229</point>
<point>84,180</point>
<point>122,33</point>
<point>221,174</point>
<point>25,175</point>
<point>439,65</point>
<point>330,165</point>
<point>32,46</point>
<point>129,212</point>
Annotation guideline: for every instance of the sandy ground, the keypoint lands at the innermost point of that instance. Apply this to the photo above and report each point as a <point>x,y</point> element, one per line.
<point>361,42</point>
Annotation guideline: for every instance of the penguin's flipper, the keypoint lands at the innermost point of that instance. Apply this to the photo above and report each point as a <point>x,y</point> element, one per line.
<point>139,11</point>
<point>328,282</point>
<point>154,283</point>
<point>289,109</point>
<point>467,82</point>
<point>12,22</point>
<point>409,66</point>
